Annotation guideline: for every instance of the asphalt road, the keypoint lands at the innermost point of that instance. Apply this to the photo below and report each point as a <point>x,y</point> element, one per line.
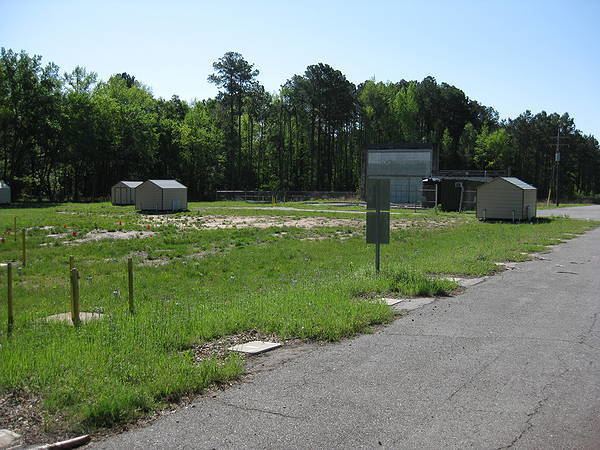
<point>513,362</point>
<point>576,212</point>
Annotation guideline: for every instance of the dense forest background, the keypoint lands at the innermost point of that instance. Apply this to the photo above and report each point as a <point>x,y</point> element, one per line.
<point>72,136</point>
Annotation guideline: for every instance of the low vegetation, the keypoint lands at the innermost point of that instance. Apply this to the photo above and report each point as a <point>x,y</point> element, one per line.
<point>196,285</point>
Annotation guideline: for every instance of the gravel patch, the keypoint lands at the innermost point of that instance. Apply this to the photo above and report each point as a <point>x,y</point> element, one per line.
<point>100,235</point>
<point>212,222</point>
<point>219,348</point>
<point>21,412</point>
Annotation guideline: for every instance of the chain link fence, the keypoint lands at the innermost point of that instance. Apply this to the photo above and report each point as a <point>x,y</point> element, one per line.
<point>285,196</point>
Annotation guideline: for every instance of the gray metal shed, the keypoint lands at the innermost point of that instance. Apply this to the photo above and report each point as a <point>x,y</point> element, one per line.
<point>123,193</point>
<point>5,196</point>
<point>161,195</point>
<point>506,198</point>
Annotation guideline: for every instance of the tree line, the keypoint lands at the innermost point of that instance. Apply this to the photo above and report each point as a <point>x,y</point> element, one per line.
<point>71,136</point>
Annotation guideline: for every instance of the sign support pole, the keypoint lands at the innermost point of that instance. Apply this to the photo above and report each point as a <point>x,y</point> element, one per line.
<point>378,216</point>
<point>378,242</point>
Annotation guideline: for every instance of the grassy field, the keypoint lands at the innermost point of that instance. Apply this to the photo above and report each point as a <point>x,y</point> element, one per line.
<point>552,205</point>
<point>223,269</point>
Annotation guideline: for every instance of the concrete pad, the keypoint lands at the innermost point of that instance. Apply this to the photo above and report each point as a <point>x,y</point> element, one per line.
<point>408,304</point>
<point>255,347</point>
<point>392,301</point>
<point>83,316</point>
<point>540,257</point>
<point>9,439</point>
<point>466,282</point>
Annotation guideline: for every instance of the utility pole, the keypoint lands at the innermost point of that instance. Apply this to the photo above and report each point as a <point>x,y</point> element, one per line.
<point>557,163</point>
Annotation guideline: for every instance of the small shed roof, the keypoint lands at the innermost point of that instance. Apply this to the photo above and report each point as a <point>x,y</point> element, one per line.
<point>168,184</point>
<point>131,184</point>
<point>3,184</point>
<point>519,183</point>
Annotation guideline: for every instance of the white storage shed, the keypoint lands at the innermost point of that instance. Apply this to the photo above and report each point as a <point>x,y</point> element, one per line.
<point>123,193</point>
<point>161,195</point>
<point>506,198</point>
<point>5,196</point>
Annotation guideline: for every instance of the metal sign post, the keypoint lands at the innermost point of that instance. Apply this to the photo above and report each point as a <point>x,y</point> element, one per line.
<point>378,216</point>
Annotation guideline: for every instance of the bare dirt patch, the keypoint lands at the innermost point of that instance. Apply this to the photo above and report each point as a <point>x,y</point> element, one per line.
<point>100,235</point>
<point>147,261</point>
<point>219,347</point>
<point>96,236</point>
<point>21,412</point>
<point>83,316</point>
<point>213,222</point>
<point>59,235</point>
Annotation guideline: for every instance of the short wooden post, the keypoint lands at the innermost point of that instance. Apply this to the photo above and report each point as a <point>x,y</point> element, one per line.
<point>15,228</point>
<point>75,297</point>
<point>130,279</point>
<point>11,317</point>
<point>23,233</point>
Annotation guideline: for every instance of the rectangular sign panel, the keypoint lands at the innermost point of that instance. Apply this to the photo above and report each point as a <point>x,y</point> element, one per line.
<point>378,227</point>
<point>378,194</point>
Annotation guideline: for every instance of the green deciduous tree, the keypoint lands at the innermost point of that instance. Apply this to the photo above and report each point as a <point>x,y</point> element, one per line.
<point>73,136</point>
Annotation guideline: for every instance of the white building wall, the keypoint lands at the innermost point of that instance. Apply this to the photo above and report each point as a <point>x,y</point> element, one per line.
<point>174,199</point>
<point>500,199</point>
<point>530,204</point>
<point>148,197</point>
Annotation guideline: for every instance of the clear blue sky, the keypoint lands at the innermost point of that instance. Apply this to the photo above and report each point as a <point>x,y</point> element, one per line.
<point>512,55</point>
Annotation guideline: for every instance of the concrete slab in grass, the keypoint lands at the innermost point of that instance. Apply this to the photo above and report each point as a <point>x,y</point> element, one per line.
<point>83,316</point>
<point>408,304</point>
<point>255,347</point>
<point>9,439</point>
<point>507,265</point>
<point>392,301</point>
<point>467,282</point>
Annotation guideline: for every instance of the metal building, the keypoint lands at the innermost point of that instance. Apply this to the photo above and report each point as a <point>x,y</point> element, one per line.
<point>123,193</point>
<point>506,198</point>
<point>405,165</point>
<point>5,196</point>
<point>161,195</point>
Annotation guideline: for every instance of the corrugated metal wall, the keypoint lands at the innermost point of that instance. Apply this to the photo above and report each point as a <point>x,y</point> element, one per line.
<point>404,167</point>
<point>122,195</point>
<point>530,204</point>
<point>150,197</point>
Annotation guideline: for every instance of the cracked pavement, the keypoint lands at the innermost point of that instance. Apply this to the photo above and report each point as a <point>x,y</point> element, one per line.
<point>514,362</point>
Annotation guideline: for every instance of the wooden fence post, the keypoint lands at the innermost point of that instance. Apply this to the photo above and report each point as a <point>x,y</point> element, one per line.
<point>11,318</point>
<point>24,250</point>
<point>130,279</point>
<point>75,297</point>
